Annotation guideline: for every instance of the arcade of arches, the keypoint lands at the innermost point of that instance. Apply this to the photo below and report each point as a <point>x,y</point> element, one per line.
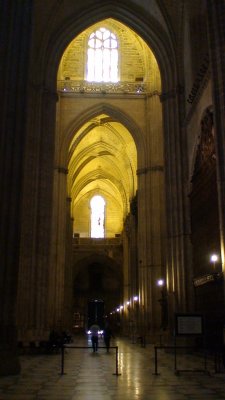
<point>124,106</point>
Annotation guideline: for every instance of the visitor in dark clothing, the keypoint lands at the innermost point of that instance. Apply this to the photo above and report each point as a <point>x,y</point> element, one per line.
<point>107,334</point>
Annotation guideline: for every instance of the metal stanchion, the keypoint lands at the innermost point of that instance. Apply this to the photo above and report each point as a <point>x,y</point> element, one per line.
<point>156,362</point>
<point>177,371</point>
<point>62,360</point>
<point>117,373</point>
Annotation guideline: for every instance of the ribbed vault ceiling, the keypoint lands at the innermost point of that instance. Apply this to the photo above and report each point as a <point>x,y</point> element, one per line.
<point>103,160</point>
<point>102,154</point>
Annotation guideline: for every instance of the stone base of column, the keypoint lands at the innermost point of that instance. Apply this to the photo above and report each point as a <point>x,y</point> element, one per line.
<point>27,335</point>
<point>9,364</point>
<point>9,356</point>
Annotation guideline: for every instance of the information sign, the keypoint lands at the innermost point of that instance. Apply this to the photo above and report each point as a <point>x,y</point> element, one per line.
<point>189,324</point>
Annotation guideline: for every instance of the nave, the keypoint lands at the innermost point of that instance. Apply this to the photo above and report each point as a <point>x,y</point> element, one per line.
<point>91,376</point>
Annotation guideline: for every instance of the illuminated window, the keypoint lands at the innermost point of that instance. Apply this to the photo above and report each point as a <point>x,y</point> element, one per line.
<point>102,54</point>
<point>97,217</point>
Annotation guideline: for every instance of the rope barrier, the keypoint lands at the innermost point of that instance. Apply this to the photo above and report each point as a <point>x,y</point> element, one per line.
<point>175,348</point>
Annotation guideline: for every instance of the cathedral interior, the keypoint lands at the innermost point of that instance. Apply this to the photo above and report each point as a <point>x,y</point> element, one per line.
<point>113,171</point>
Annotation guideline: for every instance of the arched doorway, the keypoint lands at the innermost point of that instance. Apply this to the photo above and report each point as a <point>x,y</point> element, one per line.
<point>97,278</point>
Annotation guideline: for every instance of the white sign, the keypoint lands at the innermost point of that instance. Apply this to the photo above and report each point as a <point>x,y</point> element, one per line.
<point>189,325</point>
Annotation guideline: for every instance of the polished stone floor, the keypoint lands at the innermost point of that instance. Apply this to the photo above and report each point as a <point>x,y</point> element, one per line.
<point>97,376</point>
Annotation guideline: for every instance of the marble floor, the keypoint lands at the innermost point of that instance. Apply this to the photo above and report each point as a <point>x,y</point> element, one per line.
<point>97,376</point>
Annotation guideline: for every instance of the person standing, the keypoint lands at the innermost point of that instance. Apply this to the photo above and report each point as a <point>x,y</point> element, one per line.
<point>107,334</point>
<point>94,336</point>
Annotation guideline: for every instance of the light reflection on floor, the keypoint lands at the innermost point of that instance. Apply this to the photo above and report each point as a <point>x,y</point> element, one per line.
<point>92,376</point>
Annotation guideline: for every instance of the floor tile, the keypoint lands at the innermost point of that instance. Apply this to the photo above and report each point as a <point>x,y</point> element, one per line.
<point>89,376</point>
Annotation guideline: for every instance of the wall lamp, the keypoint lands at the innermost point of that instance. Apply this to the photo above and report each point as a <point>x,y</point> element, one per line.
<point>214,259</point>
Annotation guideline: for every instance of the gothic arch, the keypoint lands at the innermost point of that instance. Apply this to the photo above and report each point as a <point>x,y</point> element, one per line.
<point>52,184</point>
<point>81,184</point>
<point>147,27</point>
<point>116,114</point>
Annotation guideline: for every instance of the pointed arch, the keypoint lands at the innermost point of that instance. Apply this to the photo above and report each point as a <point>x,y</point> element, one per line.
<point>144,25</point>
<point>116,114</point>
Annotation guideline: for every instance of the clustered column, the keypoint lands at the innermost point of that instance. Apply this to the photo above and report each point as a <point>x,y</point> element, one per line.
<point>15,32</point>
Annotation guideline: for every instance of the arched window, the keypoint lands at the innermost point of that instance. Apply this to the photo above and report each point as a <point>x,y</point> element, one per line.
<point>102,57</point>
<point>97,217</point>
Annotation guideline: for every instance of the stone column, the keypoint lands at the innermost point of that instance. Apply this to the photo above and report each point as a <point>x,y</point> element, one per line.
<point>132,261</point>
<point>145,309</point>
<point>152,220</point>
<point>178,234</point>
<point>34,276</point>
<point>68,289</point>
<point>126,274</point>
<point>58,248</point>
<point>216,30</point>
<point>15,31</point>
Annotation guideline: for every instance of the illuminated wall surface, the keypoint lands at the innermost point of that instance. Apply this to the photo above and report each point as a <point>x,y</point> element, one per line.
<point>132,111</point>
<point>102,156</point>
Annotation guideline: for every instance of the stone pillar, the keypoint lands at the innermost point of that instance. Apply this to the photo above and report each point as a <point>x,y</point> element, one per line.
<point>143,215</point>
<point>131,277</point>
<point>58,248</point>
<point>216,30</point>
<point>126,275</point>
<point>151,223</point>
<point>34,275</point>
<point>68,289</point>
<point>15,31</point>
<point>178,231</point>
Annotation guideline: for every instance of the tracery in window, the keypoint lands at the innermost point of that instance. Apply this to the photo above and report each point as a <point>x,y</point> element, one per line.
<point>97,217</point>
<point>102,57</point>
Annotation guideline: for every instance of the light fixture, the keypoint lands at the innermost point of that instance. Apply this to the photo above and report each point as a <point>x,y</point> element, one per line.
<point>160,282</point>
<point>135,298</point>
<point>214,259</point>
